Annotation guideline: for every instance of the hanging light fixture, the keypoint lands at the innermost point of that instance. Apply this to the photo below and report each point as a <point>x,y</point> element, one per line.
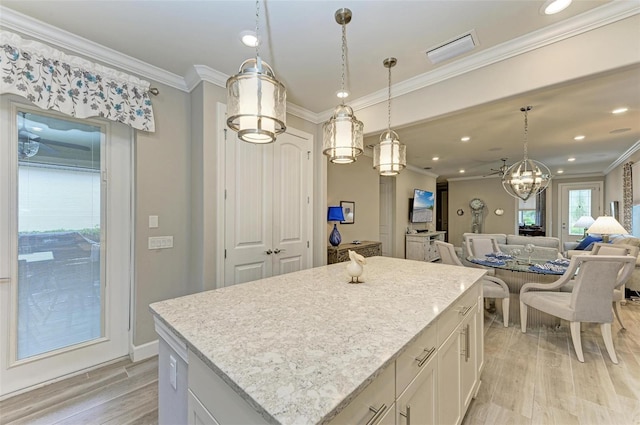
<point>526,178</point>
<point>343,133</point>
<point>389,156</point>
<point>256,101</point>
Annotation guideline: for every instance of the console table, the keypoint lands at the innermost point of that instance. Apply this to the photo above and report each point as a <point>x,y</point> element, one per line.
<point>421,246</point>
<point>340,253</point>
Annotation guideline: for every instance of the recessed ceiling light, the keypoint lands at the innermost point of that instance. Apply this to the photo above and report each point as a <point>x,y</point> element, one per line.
<point>581,137</point>
<point>571,159</point>
<point>435,158</point>
<point>342,94</point>
<point>554,6</point>
<point>461,171</point>
<point>619,110</point>
<point>465,139</point>
<point>249,38</point>
<point>560,171</point>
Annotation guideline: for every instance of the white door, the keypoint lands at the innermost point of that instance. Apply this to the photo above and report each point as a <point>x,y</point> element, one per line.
<point>577,200</point>
<point>64,299</point>
<point>386,215</point>
<point>268,210</point>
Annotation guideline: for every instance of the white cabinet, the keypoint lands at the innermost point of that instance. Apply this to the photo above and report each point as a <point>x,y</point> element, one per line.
<point>418,403</point>
<point>422,247</point>
<point>374,405</point>
<point>459,358</point>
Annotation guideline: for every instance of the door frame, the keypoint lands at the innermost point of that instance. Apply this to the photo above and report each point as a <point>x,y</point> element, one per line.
<point>51,366</point>
<point>568,186</point>
<point>222,134</point>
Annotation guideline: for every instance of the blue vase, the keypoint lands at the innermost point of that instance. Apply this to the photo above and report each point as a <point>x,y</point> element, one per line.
<point>334,237</point>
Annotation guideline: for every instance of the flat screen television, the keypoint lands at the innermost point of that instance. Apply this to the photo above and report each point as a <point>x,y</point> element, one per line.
<point>421,207</point>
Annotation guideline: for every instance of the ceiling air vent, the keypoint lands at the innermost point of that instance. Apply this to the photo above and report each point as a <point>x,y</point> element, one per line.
<point>456,47</point>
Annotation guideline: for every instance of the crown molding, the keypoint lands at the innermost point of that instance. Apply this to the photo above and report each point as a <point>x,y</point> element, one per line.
<point>198,73</point>
<point>633,149</point>
<point>588,21</point>
<point>577,176</point>
<point>57,37</point>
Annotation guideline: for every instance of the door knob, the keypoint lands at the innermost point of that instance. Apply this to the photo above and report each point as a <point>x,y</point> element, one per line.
<point>269,252</point>
<point>278,250</point>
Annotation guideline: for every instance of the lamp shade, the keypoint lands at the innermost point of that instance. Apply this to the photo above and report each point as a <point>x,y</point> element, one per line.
<point>584,222</point>
<point>605,225</point>
<point>335,214</point>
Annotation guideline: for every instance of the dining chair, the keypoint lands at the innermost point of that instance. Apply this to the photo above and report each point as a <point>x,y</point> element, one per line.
<point>481,245</point>
<point>492,287</point>
<point>594,279</point>
<point>601,248</point>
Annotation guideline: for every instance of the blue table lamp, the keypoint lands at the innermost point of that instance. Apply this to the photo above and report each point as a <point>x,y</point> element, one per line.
<point>335,214</point>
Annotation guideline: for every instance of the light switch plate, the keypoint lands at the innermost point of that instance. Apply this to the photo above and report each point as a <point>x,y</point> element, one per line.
<point>160,242</point>
<point>153,222</point>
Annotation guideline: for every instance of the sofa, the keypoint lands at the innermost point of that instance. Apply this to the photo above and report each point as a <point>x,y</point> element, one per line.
<point>544,247</point>
<point>634,282</point>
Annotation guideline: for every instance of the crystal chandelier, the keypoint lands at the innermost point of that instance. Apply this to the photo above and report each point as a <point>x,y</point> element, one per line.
<point>256,100</point>
<point>526,178</point>
<point>343,133</point>
<point>389,156</point>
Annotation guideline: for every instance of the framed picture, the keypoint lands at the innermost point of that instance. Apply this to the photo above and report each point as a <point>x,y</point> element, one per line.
<point>349,211</point>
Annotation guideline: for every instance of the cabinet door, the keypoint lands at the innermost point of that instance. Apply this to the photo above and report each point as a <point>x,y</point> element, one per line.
<point>198,414</point>
<point>468,358</point>
<point>418,403</point>
<point>449,396</point>
<point>415,249</point>
<point>374,404</point>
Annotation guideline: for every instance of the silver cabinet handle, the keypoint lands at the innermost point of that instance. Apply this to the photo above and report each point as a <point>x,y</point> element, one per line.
<point>423,360</point>
<point>464,310</point>
<point>407,415</point>
<point>376,413</point>
<point>463,351</point>
<point>278,250</point>
<point>467,351</point>
<point>269,252</point>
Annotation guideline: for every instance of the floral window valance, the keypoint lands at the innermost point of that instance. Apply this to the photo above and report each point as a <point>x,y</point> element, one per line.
<point>74,86</point>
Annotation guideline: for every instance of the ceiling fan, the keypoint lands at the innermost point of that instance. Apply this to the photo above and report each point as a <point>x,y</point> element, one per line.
<point>29,143</point>
<point>500,171</point>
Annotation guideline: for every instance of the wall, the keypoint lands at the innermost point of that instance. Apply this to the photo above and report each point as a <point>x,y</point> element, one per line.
<point>408,180</point>
<point>358,182</point>
<point>162,188</point>
<point>490,190</point>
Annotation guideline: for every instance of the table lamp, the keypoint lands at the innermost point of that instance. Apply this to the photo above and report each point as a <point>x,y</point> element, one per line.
<point>335,214</point>
<point>605,226</point>
<point>584,222</point>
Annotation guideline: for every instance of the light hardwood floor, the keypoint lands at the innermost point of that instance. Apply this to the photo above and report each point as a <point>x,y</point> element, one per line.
<point>531,378</point>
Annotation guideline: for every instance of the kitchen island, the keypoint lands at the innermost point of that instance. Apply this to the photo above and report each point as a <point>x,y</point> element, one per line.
<point>308,348</point>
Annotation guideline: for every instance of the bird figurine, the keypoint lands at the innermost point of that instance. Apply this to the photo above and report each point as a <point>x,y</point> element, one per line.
<point>354,268</point>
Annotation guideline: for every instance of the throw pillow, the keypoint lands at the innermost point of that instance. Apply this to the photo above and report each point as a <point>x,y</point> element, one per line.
<point>587,241</point>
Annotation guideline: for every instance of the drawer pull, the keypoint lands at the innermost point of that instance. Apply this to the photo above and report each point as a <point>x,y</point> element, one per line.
<point>407,415</point>
<point>422,361</point>
<point>464,310</point>
<point>467,351</point>
<point>376,413</point>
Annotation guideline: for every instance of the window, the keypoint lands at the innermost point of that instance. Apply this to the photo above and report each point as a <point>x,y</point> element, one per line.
<point>579,205</point>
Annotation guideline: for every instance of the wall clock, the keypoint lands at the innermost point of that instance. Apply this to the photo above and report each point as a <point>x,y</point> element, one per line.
<point>476,204</point>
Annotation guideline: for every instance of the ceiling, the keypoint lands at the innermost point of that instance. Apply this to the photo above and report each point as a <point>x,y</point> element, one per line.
<point>301,40</point>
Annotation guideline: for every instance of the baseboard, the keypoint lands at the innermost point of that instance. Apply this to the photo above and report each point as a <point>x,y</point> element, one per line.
<point>144,351</point>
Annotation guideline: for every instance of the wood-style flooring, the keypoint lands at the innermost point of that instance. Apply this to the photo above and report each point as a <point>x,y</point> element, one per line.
<point>531,378</point>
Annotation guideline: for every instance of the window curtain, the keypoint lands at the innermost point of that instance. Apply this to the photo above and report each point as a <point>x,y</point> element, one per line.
<point>541,210</point>
<point>627,195</point>
<point>74,86</point>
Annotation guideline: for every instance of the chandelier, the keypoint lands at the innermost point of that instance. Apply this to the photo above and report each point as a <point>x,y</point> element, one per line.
<point>389,156</point>
<point>256,100</point>
<point>343,133</point>
<point>526,178</point>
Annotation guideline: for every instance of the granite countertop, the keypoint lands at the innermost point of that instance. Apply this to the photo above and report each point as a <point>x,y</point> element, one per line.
<point>299,346</point>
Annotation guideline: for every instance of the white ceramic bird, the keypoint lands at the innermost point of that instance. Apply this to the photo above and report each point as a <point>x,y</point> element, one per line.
<point>354,268</point>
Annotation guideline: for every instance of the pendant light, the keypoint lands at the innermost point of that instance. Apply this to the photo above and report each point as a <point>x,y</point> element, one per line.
<point>343,133</point>
<point>389,156</point>
<point>526,178</point>
<point>256,100</point>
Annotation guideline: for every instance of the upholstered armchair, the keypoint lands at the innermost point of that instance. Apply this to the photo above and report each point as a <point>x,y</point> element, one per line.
<point>600,248</point>
<point>596,276</point>
<point>492,287</point>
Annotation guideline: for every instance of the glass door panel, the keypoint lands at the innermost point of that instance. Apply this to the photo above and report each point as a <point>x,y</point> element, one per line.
<point>60,281</point>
